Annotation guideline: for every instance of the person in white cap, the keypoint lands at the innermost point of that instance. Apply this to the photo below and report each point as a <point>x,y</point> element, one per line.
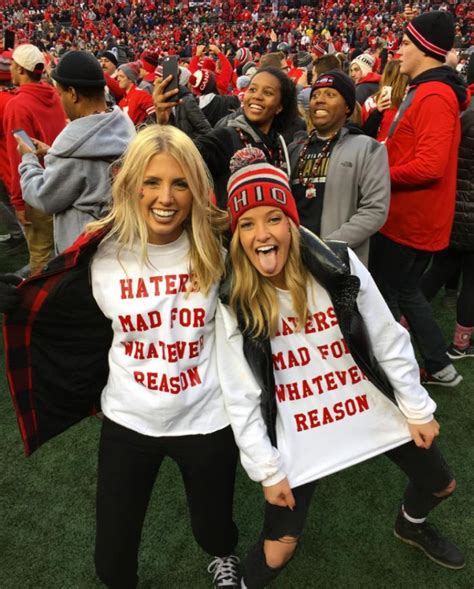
<point>38,111</point>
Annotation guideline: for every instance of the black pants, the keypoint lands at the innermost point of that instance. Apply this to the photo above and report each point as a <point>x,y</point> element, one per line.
<point>397,269</point>
<point>128,467</point>
<point>446,264</point>
<point>427,473</point>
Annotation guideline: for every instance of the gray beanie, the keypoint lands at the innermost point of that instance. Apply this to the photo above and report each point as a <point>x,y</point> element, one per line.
<point>131,70</point>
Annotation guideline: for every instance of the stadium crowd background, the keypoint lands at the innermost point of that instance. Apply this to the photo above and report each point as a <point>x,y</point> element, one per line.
<point>178,27</point>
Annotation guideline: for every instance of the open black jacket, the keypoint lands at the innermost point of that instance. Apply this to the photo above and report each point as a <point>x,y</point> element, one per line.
<point>328,262</point>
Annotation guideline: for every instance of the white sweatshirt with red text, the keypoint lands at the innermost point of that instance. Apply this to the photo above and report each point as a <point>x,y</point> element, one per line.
<point>329,416</point>
<point>163,375</point>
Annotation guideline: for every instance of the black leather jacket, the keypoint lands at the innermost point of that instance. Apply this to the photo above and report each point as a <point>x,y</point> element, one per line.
<point>328,262</point>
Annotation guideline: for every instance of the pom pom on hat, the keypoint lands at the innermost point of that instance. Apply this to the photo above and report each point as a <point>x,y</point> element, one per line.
<point>432,33</point>
<point>207,63</point>
<point>256,183</point>
<point>203,82</point>
<point>242,82</point>
<point>246,156</point>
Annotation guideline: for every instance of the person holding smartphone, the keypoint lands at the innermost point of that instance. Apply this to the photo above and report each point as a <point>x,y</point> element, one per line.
<point>36,109</point>
<point>269,108</point>
<point>74,182</point>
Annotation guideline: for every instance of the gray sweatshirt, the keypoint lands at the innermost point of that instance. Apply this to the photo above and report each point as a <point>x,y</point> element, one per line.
<point>75,184</point>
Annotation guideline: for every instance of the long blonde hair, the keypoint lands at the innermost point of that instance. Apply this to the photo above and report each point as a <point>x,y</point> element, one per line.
<point>205,224</point>
<point>391,76</point>
<point>255,297</point>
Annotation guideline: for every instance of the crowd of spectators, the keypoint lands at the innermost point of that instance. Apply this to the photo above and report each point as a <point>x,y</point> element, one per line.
<point>179,27</point>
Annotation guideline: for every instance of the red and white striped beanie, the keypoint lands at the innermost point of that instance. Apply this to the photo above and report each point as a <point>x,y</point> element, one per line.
<point>256,183</point>
<point>432,33</point>
<point>242,56</point>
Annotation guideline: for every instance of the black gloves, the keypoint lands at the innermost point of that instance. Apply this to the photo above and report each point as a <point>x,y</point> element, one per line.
<point>9,295</point>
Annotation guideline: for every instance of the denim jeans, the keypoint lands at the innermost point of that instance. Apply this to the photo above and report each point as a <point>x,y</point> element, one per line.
<point>397,269</point>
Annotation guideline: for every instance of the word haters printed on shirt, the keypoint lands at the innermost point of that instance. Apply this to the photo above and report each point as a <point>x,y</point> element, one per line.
<point>174,319</point>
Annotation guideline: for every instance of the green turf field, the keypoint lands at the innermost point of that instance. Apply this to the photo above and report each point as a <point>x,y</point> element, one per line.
<point>47,512</point>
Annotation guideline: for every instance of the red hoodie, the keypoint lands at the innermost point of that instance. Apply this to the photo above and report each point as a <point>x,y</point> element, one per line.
<point>38,110</point>
<point>6,94</point>
<point>423,155</point>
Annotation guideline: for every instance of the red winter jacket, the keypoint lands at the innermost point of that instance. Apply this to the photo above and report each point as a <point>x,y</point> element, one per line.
<point>6,94</point>
<point>423,154</point>
<point>138,104</point>
<point>37,109</point>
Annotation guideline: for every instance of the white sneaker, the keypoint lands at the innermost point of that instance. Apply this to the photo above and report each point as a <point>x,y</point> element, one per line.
<point>447,377</point>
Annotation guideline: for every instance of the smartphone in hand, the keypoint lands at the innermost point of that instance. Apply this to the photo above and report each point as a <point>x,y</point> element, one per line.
<point>170,68</point>
<point>23,135</point>
<point>386,93</point>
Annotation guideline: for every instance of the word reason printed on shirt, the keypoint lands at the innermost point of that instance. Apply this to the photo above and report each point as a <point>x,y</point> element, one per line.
<point>173,318</point>
<point>343,373</point>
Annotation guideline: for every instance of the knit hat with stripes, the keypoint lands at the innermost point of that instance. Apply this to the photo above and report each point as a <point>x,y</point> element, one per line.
<point>256,183</point>
<point>242,56</point>
<point>432,33</point>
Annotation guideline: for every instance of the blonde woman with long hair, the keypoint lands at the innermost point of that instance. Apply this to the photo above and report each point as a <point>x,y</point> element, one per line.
<point>379,110</point>
<point>131,306</point>
<point>329,377</point>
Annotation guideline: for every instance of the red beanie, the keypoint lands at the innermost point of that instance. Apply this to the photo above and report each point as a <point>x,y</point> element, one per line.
<point>207,63</point>
<point>202,82</point>
<point>257,184</point>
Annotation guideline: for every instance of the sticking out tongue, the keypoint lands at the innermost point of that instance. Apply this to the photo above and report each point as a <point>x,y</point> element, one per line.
<point>268,261</point>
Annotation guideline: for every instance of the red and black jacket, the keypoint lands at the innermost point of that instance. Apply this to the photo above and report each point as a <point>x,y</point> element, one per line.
<point>56,346</point>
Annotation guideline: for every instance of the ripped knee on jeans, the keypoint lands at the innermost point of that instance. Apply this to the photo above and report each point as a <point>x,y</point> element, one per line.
<point>449,490</point>
<point>279,552</point>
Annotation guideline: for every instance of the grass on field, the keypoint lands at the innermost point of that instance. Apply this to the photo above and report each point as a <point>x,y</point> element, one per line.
<point>47,511</point>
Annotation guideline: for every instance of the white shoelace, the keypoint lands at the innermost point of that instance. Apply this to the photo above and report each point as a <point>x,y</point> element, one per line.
<point>224,570</point>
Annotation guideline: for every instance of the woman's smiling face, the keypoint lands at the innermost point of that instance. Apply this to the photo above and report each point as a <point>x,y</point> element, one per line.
<point>262,100</point>
<point>166,200</point>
